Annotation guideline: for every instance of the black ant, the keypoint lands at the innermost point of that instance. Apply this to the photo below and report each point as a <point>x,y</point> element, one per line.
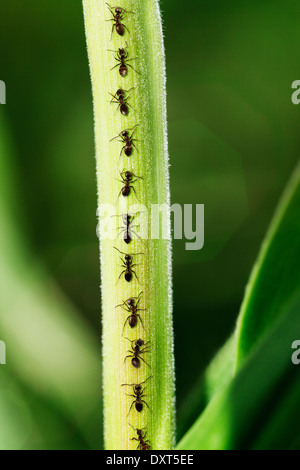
<point>127,179</point>
<point>142,444</point>
<point>138,394</point>
<point>118,16</point>
<point>120,99</point>
<point>128,265</point>
<point>126,139</point>
<point>122,58</point>
<point>127,230</point>
<point>131,305</point>
<point>138,347</point>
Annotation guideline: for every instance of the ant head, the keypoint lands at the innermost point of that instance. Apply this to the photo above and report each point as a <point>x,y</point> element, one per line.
<point>128,174</point>
<point>125,218</point>
<point>138,388</point>
<point>127,257</point>
<point>139,342</point>
<point>118,10</point>
<point>139,432</point>
<point>131,302</point>
<point>124,134</point>
<point>120,92</point>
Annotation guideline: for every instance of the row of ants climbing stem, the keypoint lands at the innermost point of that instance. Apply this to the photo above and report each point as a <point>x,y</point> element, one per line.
<point>138,347</point>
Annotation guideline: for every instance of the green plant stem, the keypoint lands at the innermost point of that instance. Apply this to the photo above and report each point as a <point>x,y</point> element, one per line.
<point>143,39</point>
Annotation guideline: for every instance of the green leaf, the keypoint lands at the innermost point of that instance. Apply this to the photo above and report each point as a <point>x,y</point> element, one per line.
<point>251,409</point>
<point>236,415</point>
<point>218,374</point>
<point>276,274</point>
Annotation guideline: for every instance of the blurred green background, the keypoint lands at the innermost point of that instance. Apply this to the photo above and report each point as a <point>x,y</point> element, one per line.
<point>233,141</point>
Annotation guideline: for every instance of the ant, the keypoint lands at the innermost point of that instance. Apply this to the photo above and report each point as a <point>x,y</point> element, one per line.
<point>127,230</point>
<point>128,265</point>
<point>136,351</point>
<point>131,305</point>
<point>142,444</point>
<point>122,58</point>
<point>127,140</point>
<point>138,394</point>
<point>118,16</point>
<point>127,178</point>
<point>120,99</point>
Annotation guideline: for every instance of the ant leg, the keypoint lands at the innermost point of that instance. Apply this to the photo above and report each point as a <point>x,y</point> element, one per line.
<point>145,350</point>
<point>144,361</point>
<point>136,150</point>
<point>135,276</point>
<point>126,357</point>
<point>132,187</point>
<point>122,231</point>
<point>114,137</point>
<point>115,66</point>
<point>122,252</point>
<point>135,297</point>
<point>119,193</point>
<point>131,342</point>
<point>137,178</point>
<point>114,98</point>
<point>144,381</point>
<point>130,106</point>
<point>132,231</point>
<point>110,8</point>
<point>146,404</point>
<point>127,320</point>
<point>139,298</point>
<point>121,154</point>
<point>122,306</point>
<point>131,405</point>
<point>112,30</point>
<point>134,127</point>
<point>121,274</point>
<point>139,316</point>
<point>133,68</point>
<point>126,26</point>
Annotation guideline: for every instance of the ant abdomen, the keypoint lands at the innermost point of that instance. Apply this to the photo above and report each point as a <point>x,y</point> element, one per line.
<point>132,321</point>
